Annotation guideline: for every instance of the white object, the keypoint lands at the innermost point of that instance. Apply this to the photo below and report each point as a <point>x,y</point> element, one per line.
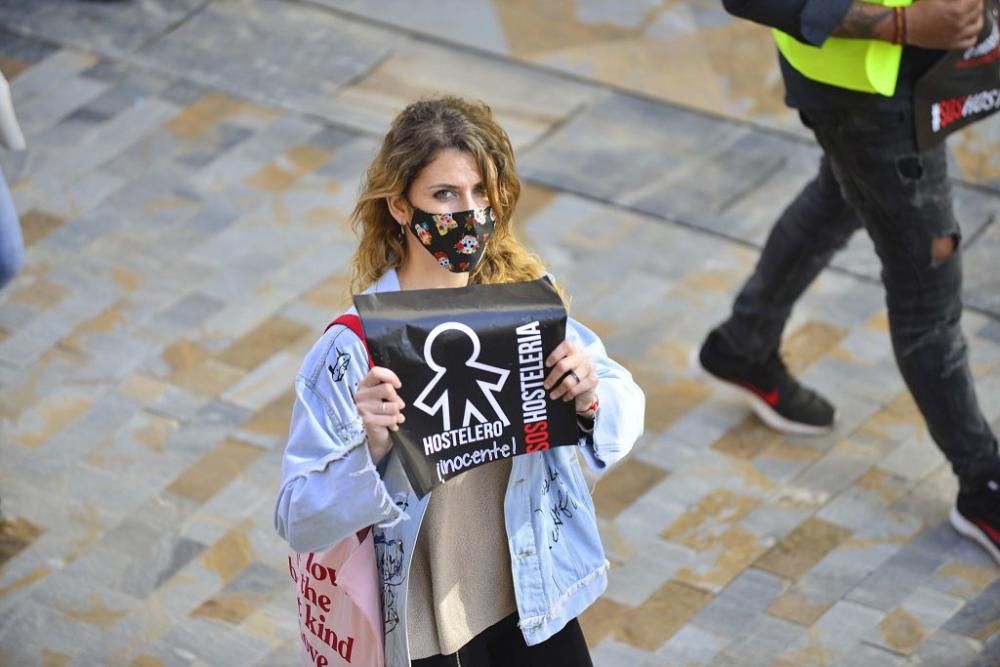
<point>11,137</point>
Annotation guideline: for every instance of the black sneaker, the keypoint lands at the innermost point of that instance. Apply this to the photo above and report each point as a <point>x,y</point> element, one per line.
<point>976,513</point>
<point>777,397</point>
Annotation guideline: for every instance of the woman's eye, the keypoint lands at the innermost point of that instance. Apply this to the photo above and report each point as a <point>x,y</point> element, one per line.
<point>442,194</point>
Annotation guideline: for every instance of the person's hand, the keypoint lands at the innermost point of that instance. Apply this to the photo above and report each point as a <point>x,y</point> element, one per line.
<point>944,24</point>
<point>381,409</point>
<point>572,376</point>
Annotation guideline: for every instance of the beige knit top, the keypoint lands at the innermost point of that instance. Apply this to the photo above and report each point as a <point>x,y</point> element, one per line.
<point>460,577</point>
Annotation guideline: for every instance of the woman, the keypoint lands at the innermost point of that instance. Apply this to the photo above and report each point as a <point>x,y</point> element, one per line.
<point>460,586</point>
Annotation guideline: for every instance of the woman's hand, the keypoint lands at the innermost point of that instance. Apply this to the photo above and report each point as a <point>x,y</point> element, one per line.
<point>381,409</point>
<point>572,377</point>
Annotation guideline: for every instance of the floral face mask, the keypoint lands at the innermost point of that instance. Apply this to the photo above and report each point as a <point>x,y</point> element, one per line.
<point>455,239</point>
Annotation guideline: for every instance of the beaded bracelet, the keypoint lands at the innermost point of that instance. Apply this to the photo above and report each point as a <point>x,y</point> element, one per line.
<point>899,25</point>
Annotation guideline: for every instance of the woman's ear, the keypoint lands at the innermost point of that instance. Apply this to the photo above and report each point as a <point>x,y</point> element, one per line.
<point>400,209</point>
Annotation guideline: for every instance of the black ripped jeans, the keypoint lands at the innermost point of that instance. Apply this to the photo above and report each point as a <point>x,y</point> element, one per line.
<point>873,175</point>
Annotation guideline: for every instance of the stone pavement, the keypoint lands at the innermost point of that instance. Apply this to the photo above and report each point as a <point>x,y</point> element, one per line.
<point>185,202</point>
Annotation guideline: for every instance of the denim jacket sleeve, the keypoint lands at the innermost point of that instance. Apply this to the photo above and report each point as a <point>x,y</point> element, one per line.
<point>623,405</point>
<point>330,487</point>
<point>810,21</point>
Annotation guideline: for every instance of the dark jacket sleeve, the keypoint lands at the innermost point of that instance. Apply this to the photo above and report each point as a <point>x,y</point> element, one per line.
<point>810,21</point>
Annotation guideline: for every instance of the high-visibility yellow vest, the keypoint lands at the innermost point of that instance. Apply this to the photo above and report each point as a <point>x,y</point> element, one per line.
<point>866,65</point>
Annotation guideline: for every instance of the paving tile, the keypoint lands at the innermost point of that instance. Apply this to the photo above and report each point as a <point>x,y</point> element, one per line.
<point>234,603</point>
<point>990,330</point>
<point>107,28</point>
<point>946,648</point>
<point>265,383</point>
<point>733,551</point>
<point>933,497</point>
<point>762,642</point>
<point>671,398</point>
<point>257,345</point>
<point>624,485</point>
<point>601,619</point>
<point>272,623</point>
<point>783,461</point>
<point>981,288</point>
<point>963,579</point>
<point>739,604</point>
<point>806,343</point>
<point>192,310</point>
<point>776,519</point>
<point>639,524</point>
<point>804,604</point>
<point>702,526</point>
<point>36,225</point>
<point>662,615</point>
<point>661,150</point>
<point>801,549</point>
<point>16,535</point>
<point>100,145</point>
<point>213,470</point>
<point>528,102</point>
<point>667,451</point>
<point>471,22</point>
<point>907,626</point>
<point>239,500</point>
<point>611,652</point>
<point>691,645</point>
<point>23,50</point>
<point>841,465</point>
<point>57,67</point>
<point>990,654</point>
<point>870,656</point>
<point>654,563</point>
<point>748,439</point>
<point>65,102</point>
<point>829,639</point>
<point>980,618</point>
<point>296,54</point>
<point>272,420</point>
<point>38,630</point>
<point>898,578</point>
<point>939,536</point>
<point>913,460</point>
<point>279,655</point>
<point>228,646</point>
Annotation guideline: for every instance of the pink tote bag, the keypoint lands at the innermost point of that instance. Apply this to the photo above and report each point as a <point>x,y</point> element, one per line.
<point>338,593</point>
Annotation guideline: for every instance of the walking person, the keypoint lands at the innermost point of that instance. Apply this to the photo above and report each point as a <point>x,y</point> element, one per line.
<point>873,175</point>
<point>480,574</point>
<point>11,239</point>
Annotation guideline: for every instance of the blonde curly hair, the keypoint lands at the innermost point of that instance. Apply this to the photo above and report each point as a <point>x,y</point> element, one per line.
<point>416,136</point>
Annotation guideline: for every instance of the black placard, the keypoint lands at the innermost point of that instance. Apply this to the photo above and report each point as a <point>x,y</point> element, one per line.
<point>962,88</point>
<point>471,364</point>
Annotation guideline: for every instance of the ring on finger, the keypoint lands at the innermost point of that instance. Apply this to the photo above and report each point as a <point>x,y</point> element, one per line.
<point>383,407</point>
<point>575,376</point>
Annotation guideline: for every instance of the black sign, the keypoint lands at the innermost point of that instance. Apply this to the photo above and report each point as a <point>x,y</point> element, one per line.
<point>963,87</point>
<point>471,362</point>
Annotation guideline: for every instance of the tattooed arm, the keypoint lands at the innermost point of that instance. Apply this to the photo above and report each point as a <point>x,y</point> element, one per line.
<point>867,21</point>
<point>932,24</point>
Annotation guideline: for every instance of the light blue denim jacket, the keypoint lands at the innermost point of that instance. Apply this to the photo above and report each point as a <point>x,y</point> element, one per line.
<point>330,489</point>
